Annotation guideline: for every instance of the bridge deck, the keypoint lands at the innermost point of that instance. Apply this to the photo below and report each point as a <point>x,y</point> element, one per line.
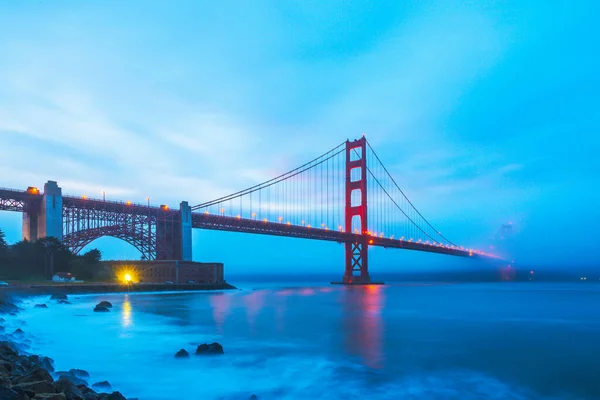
<point>233,224</point>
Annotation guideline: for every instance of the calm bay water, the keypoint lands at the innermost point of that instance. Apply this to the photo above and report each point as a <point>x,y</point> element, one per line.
<point>440,341</point>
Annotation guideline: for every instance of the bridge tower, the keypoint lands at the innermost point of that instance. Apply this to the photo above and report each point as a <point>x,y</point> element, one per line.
<point>357,260</point>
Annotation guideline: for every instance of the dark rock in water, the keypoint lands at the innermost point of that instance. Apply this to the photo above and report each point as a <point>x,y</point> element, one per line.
<point>44,362</point>
<point>6,393</point>
<point>67,387</point>
<point>253,397</point>
<point>8,307</point>
<point>35,387</point>
<point>18,331</point>
<point>53,396</point>
<point>182,353</point>
<point>104,385</point>
<point>6,349</point>
<point>101,309</point>
<point>80,373</point>
<point>67,375</point>
<point>36,375</point>
<point>64,302</point>
<point>104,303</point>
<point>112,396</point>
<point>59,296</point>
<point>41,306</point>
<point>213,348</point>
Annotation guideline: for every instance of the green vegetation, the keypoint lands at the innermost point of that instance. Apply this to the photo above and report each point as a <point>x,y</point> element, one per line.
<point>40,260</point>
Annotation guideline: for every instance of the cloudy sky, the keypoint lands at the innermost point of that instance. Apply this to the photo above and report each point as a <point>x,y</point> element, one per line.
<point>486,112</point>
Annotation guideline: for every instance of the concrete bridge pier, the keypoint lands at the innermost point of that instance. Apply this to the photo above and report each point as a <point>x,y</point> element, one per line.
<point>174,235</point>
<point>45,218</point>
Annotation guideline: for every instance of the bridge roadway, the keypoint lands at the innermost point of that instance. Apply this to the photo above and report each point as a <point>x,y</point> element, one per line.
<point>15,200</point>
<point>234,224</point>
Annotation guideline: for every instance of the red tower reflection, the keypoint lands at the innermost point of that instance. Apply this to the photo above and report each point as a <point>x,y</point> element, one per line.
<point>220,303</point>
<point>363,323</point>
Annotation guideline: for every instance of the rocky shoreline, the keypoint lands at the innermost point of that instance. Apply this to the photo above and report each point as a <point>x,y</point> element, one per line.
<point>25,377</point>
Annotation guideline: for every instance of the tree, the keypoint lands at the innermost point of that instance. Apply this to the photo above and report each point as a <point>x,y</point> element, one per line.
<point>93,256</point>
<point>3,244</point>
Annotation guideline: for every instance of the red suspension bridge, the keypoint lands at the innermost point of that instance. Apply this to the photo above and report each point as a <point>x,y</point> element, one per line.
<point>345,195</point>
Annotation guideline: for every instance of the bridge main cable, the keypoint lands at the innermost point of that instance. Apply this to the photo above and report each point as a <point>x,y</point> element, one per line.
<point>306,166</point>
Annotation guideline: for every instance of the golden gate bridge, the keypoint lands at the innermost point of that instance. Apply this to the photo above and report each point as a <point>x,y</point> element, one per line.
<point>346,195</point>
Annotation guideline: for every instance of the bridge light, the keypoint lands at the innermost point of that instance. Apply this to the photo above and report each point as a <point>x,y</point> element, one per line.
<point>308,226</point>
<point>289,223</point>
<point>238,216</point>
<point>391,237</point>
<point>280,219</point>
<point>253,215</point>
<point>164,207</point>
<point>32,190</point>
<point>326,228</point>
<point>222,211</point>
<point>206,212</point>
<point>265,220</point>
<point>128,202</point>
<point>370,241</point>
<point>84,197</point>
<point>302,222</point>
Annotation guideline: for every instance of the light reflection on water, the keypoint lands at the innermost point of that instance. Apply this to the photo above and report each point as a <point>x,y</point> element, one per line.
<point>126,312</point>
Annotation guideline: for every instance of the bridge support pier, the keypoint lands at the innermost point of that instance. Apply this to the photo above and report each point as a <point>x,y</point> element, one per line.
<point>185,213</point>
<point>46,218</point>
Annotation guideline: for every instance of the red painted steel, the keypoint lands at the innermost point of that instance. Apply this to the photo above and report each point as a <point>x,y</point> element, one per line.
<point>357,260</point>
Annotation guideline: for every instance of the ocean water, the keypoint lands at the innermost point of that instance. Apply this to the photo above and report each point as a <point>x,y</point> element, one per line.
<point>398,341</point>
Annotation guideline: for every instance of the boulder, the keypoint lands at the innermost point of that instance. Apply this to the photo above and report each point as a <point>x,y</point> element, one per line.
<point>35,387</point>
<point>18,331</point>
<point>67,387</point>
<point>51,396</point>
<point>44,362</point>
<point>36,375</point>
<point>80,373</point>
<point>104,385</point>
<point>112,396</point>
<point>59,296</point>
<point>101,309</point>
<point>213,348</point>
<point>68,375</point>
<point>104,303</point>
<point>7,350</point>
<point>8,307</point>
<point>253,397</point>
<point>41,306</point>
<point>6,393</point>
<point>64,302</point>
<point>182,353</point>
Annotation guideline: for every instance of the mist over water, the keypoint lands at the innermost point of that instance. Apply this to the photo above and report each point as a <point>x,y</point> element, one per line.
<point>432,341</point>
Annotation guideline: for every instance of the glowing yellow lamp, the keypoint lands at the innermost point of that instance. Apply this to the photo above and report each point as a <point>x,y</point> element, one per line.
<point>127,278</point>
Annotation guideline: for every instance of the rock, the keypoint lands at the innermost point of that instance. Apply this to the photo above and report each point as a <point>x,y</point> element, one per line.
<point>67,387</point>
<point>101,309</point>
<point>112,396</point>
<point>41,306</point>
<point>104,385</point>
<point>59,296</point>
<point>253,397</point>
<point>104,303</point>
<point>6,349</point>
<point>6,393</point>
<point>8,307</point>
<point>51,396</point>
<point>80,373</point>
<point>35,387</point>
<point>213,348</point>
<point>18,331</point>
<point>68,375</point>
<point>64,302</point>
<point>36,375</point>
<point>182,353</point>
<point>44,362</point>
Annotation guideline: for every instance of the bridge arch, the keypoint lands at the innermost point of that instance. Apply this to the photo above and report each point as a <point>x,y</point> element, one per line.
<point>77,240</point>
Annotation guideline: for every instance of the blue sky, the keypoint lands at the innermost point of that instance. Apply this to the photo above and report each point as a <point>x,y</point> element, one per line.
<point>485,112</point>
